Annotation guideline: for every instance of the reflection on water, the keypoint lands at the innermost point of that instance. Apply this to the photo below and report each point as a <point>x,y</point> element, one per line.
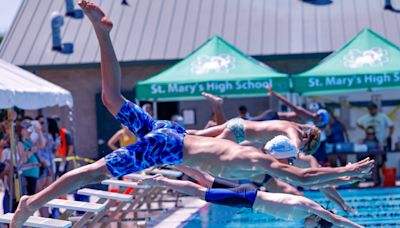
<point>375,207</point>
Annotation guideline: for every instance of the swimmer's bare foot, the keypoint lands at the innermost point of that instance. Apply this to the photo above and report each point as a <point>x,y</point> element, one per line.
<point>214,100</point>
<point>152,180</point>
<point>98,18</point>
<point>22,213</point>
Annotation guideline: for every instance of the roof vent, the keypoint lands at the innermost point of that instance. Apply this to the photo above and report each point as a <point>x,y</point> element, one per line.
<point>57,21</point>
<point>71,11</point>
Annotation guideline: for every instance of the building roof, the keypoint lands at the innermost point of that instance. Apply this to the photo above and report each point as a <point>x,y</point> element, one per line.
<point>171,29</point>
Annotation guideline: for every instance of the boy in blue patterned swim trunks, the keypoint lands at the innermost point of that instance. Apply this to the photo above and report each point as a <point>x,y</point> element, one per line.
<point>164,142</point>
<point>160,142</point>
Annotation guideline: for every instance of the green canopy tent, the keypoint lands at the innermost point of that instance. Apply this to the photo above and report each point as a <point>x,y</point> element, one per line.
<point>216,67</point>
<point>366,62</point>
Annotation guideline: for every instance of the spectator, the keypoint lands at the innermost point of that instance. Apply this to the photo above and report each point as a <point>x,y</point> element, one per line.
<point>243,113</point>
<point>148,108</point>
<point>177,118</point>
<point>382,125</point>
<point>380,122</point>
<point>46,157</point>
<point>5,162</point>
<point>336,132</point>
<point>65,149</point>
<point>27,153</point>
<point>123,136</point>
<point>374,145</point>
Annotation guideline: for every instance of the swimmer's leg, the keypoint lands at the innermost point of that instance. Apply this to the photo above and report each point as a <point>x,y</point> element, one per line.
<point>130,115</point>
<point>69,182</point>
<point>110,69</point>
<point>278,186</point>
<point>241,196</point>
<point>216,105</point>
<point>204,178</point>
<point>185,187</point>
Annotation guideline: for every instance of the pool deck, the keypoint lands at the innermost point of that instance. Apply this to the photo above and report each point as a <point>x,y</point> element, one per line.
<point>177,217</point>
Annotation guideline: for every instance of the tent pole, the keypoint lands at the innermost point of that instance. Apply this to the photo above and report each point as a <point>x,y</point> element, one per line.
<point>14,180</point>
<point>155,111</point>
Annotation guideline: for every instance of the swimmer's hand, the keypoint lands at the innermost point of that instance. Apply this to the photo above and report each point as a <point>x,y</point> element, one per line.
<point>360,169</point>
<point>348,209</point>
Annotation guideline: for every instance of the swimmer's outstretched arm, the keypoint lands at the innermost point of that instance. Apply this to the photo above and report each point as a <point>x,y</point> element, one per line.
<point>310,176</point>
<point>329,191</point>
<point>204,178</point>
<point>110,68</point>
<point>335,182</point>
<point>69,182</point>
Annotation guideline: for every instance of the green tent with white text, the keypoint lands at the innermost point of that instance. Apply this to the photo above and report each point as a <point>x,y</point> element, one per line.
<point>216,67</point>
<point>366,62</point>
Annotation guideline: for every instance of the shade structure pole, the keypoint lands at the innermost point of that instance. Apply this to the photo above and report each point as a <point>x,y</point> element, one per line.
<point>14,180</point>
<point>155,110</point>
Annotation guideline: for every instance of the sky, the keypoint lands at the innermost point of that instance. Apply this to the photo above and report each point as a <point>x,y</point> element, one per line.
<point>8,10</point>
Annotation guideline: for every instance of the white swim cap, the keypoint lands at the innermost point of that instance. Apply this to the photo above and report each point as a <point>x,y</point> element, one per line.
<point>281,147</point>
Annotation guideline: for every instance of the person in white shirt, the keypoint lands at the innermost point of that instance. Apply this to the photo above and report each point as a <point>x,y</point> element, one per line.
<point>379,121</point>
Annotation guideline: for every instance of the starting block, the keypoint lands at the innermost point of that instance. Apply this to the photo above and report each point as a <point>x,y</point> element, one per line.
<point>105,194</point>
<point>167,173</point>
<point>75,205</point>
<point>128,184</point>
<point>38,222</point>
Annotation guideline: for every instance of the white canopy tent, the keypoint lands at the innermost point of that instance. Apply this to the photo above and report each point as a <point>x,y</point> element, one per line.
<point>22,89</point>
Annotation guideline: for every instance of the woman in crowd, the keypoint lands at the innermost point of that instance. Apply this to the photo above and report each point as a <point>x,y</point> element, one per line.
<point>124,137</point>
<point>28,155</point>
<point>46,157</point>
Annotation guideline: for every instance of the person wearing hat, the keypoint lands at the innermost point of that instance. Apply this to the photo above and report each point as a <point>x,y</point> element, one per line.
<point>383,128</point>
<point>379,121</point>
<point>27,150</point>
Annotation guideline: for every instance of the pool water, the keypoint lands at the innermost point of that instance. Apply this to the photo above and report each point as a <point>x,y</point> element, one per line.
<point>379,207</point>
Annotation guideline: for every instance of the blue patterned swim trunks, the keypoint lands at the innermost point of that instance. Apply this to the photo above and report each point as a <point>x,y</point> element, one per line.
<point>159,142</point>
